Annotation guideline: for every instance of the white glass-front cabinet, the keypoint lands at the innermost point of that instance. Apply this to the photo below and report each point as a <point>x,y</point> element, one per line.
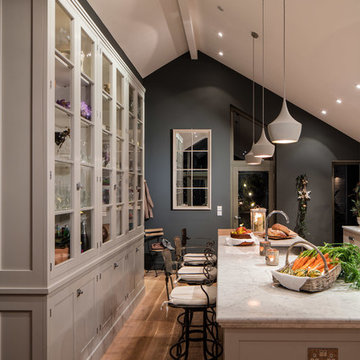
<point>74,142</point>
<point>72,216</point>
<point>98,146</point>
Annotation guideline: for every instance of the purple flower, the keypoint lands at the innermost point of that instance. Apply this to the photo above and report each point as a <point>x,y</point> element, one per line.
<point>85,110</point>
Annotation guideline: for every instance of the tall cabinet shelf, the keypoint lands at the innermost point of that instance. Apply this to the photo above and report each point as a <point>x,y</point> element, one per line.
<point>85,246</point>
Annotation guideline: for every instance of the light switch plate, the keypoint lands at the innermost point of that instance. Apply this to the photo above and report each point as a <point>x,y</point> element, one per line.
<point>323,354</point>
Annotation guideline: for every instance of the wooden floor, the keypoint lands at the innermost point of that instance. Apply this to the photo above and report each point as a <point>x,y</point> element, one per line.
<point>149,333</point>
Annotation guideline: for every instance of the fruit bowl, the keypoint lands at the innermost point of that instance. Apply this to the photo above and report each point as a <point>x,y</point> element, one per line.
<point>241,233</point>
<point>241,236</point>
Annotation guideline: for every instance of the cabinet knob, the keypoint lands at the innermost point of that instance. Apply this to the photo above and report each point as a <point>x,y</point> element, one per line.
<point>116,265</point>
<point>79,186</point>
<point>137,249</point>
<point>79,292</point>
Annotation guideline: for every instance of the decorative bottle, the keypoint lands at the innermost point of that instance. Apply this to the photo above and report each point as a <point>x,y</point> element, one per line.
<point>84,237</point>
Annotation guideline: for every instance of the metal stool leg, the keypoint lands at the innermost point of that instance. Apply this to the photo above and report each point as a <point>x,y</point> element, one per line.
<point>207,333</point>
<point>187,334</point>
<point>204,338</point>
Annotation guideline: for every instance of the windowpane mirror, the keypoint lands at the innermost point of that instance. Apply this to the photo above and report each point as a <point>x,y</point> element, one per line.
<point>191,169</point>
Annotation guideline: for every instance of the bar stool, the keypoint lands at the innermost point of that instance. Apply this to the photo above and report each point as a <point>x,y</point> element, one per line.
<point>193,299</point>
<point>194,258</point>
<point>154,247</point>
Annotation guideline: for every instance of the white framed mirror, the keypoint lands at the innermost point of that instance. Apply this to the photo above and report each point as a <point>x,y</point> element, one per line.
<point>191,166</point>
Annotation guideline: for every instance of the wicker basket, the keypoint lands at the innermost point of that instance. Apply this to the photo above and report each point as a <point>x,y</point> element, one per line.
<point>319,283</point>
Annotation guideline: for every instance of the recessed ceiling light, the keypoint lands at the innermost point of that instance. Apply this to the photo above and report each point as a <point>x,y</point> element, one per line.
<point>221,53</point>
<point>339,101</point>
<point>324,112</point>
<point>220,34</point>
<point>358,86</point>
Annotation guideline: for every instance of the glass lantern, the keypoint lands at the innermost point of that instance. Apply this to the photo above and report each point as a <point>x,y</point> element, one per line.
<point>258,216</point>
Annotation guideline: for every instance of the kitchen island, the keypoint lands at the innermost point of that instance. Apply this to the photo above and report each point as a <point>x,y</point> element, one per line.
<point>261,321</point>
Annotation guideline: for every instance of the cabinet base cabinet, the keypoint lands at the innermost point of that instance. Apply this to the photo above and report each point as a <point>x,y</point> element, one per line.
<point>351,236</point>
<point>77,321</point>
<point>285,344</point>
<point>22,327</point>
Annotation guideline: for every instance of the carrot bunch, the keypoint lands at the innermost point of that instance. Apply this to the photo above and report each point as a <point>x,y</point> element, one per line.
<point>313,262</point>
<point>310,264</point>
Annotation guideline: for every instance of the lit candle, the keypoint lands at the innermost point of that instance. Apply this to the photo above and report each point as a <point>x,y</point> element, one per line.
<point>272,257</point>
<point>258,222</point>
<point>257,219</point>
<point>264,245</point>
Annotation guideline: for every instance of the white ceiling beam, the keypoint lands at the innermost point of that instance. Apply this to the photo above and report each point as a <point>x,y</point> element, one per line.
<point>188,27</point>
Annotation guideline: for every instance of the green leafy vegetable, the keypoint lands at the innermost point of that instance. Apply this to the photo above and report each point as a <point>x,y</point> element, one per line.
<point>347,255</point>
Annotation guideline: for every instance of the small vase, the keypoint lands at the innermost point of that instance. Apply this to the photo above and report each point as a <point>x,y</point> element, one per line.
<point>358,220</point>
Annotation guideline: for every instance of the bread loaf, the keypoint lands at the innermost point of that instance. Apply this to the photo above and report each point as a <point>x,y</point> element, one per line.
<point>276,233</point>
<point>282,228</point>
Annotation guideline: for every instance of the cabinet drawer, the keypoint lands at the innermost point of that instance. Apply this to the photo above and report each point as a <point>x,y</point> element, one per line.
<point>350,237</point>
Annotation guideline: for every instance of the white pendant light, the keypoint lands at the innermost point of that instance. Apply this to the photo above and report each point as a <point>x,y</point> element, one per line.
<point>284,129</point>
<point>249,157</point>
<point>263,148</point>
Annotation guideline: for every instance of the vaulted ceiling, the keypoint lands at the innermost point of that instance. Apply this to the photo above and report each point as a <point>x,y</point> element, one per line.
<point>322,45</point>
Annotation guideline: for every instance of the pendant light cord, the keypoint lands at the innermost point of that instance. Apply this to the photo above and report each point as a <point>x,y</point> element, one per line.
<point>253,87</point>
<point>284,73</point>
<point>263,47</point>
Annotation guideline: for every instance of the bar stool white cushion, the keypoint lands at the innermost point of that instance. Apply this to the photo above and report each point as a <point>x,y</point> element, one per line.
<point>192,295</point>
<point>191,273</point>
<point>196,259</point>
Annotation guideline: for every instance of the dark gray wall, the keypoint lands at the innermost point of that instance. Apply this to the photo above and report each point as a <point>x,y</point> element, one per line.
<point>318,146</point>
<point>198,94</point>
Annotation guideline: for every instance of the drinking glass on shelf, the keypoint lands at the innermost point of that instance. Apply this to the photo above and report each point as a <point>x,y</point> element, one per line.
<point>84,152</point>
<point>62,196</point>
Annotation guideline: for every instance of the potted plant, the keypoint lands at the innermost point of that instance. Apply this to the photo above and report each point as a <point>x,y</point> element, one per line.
<point>356,208</point>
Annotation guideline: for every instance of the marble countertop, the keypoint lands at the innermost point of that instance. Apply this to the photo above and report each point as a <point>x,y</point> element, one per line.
<point>246,297</point>
<point>355,229</point>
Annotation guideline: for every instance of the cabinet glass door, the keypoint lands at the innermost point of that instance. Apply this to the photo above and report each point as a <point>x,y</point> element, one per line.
<point>87,55</point>
<point>132,158</point>
<point>119,88</point>
<point>119,203</point>
<point>139,161</point>
<point>131,188</point>
<point>108,154</point>
<point>86,140</point>
<point>119,152</point>
<point>63,139</point>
